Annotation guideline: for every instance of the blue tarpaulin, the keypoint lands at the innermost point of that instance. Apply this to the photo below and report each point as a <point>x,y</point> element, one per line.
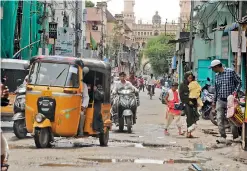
<point>231,27</point>
<point>174,62</point>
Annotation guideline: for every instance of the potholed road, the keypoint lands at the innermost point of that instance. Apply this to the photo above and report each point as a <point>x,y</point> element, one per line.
<point>146,149</point>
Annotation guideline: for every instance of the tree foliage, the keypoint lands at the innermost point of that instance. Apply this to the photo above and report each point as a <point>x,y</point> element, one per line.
<point>89,4</point>
<point>159,52</point>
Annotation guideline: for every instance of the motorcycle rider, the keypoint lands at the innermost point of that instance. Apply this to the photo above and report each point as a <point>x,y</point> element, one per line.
<point>151,83</point>
<point>141,83</point>
<point>227,82</point>
<point>123,84</point>
<point>132,79</point>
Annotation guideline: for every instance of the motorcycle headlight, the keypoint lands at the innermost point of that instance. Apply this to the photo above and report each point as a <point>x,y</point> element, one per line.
<point>39,117</point>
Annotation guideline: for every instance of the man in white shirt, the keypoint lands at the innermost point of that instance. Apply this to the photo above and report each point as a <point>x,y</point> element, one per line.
<point>84,105</point>
<point>151,83</point>
<point>123,84</point>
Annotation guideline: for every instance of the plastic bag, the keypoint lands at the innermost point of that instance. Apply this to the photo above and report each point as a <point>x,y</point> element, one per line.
<point>231,106</point>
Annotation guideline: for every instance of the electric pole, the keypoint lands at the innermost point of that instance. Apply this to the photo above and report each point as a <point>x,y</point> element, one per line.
<point>191,34</point>
<point>240,3</point>
<point>44,30</point>
<point>102,35</point>
<point>76,29</point>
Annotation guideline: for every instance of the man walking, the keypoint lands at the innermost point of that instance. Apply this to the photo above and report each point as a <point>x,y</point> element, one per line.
<point>227,82</point>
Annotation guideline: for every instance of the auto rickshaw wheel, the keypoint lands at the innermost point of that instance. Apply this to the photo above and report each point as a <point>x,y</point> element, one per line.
<point>19,128</point>
<point>129,124</point>
<point>244,136</point>
<point>104,138</point>
<point>121,124</point>
<point>42,138</point>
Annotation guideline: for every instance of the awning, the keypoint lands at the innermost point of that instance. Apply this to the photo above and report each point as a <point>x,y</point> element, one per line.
<point>174,62</point>
<point>181,40</point>
<point>231,27</point>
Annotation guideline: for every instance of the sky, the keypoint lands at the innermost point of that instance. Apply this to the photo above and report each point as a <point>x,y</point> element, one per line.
<point>145,9</point>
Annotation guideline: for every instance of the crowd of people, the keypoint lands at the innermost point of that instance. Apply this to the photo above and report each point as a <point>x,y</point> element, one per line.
<point>180,97</point>
<point>186,97</point>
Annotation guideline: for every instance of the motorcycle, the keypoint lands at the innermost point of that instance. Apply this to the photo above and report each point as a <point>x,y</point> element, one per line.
<point>207,99</point>
<point>164,90</point>
<point>19,125</point>
<point>150,92</point>
<point>126,108</point>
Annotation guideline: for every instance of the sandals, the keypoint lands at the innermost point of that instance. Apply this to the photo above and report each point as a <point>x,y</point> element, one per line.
<point>181,133</point>
<point>189,135</point>
<point>166,133</point>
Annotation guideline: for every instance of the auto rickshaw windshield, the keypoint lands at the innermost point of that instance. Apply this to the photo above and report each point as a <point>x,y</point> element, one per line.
<point>57,75</point>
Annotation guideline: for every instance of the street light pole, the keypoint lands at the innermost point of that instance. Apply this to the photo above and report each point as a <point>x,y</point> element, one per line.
<point>239,38</point>
<point>102,35</point>
<point>76,29</point>
<point>165,27</point>
<point>191,32</point>
<point>44,30</point>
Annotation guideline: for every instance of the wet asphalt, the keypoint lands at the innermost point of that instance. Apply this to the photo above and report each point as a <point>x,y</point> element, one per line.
<point>145,149</point>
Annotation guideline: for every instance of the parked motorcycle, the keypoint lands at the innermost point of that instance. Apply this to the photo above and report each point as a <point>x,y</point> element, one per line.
<point>19,125</point>
<point>207,99</point>
<point>126,109</point>
<point>164,90</point>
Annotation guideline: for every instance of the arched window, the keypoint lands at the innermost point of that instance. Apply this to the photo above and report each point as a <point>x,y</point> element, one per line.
<point>156,32</point>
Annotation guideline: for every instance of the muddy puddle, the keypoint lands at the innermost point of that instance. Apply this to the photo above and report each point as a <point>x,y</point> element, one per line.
<point>60,145</point>
<point>59,165</point>
<point>146,161</point>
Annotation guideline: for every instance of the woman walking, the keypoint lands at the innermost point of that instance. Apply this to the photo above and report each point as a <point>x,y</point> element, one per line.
<point>171,98</point>
<point>190,105</point>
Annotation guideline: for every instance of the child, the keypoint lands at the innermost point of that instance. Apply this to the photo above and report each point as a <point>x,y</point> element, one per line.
<point>195,93</point>
<point>171,98</point>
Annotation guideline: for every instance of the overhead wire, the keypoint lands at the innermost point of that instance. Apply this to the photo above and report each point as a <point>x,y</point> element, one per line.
<point>233,15</point>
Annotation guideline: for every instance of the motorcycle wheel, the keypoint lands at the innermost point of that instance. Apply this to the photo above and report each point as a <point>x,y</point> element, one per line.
<point>104,138</point>
<point>19,128</point>
<point>121,124</point>
<point>129,124</point>
<point>42,138</point>
<point>213,117</point>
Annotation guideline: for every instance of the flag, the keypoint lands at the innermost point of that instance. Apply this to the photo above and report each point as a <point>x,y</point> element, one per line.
<point>93,43</point>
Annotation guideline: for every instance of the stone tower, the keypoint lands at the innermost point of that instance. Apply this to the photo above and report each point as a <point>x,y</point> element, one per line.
<point>128,13</point>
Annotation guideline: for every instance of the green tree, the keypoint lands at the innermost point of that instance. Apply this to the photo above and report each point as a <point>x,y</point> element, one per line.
<point>159,53</point>
<point>89,4</point>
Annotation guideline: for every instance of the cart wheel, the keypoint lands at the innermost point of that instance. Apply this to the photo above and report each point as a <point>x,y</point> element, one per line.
<point>244,136</point>
<point>42,138</point>
<point>104,138</point>
<point>129,124</point>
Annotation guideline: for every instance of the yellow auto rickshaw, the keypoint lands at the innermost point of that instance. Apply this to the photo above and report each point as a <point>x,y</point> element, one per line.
<point>15,71</point>
<point>54,99</point>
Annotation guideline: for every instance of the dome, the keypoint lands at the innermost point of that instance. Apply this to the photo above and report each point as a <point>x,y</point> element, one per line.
<point>156,18</point>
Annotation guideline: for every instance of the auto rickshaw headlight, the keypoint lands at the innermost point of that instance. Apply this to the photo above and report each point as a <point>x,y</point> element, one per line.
<point>39,117</point>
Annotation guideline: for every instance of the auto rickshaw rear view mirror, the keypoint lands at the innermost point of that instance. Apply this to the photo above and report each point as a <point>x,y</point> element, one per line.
<point>85,70</point>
